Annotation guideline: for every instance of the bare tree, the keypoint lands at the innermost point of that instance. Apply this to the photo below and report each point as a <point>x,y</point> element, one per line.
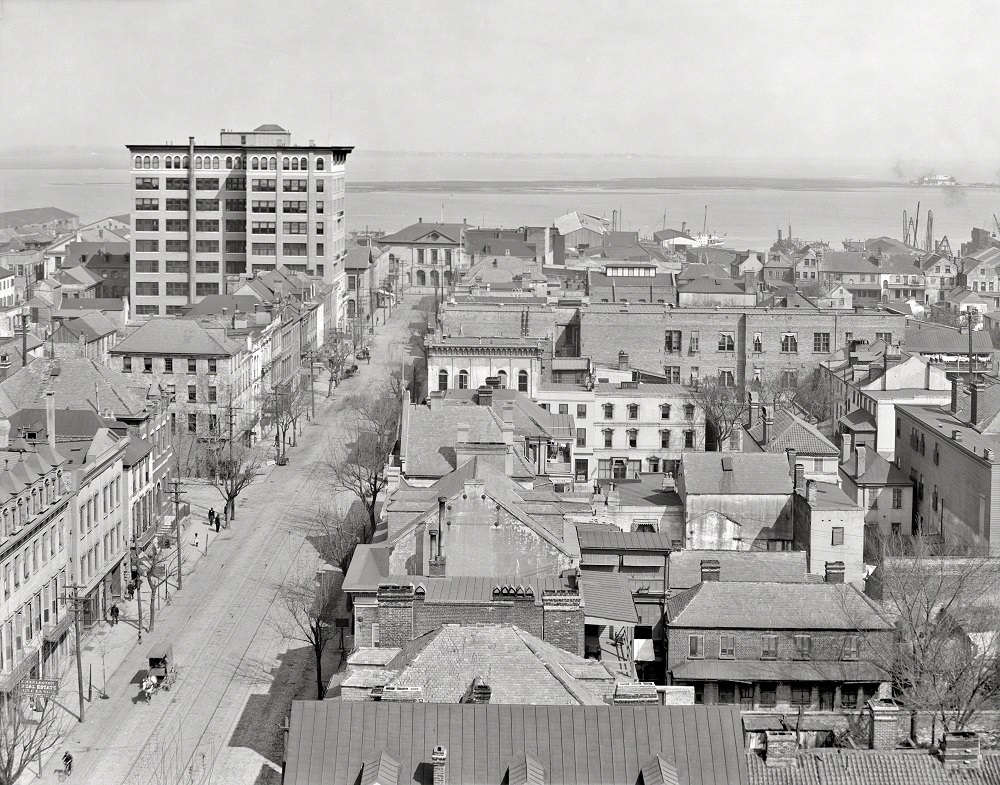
<point>339,534</point>
<point>26,734</point>
<point>232,466</point>
<point>724,407</point>
<point>159,566</point>
<point>310,604</point>
<point>945,660</point>
<point>286,404</point>
<point>357,458</point>
<point>814,395</point>
<point>336,355</point>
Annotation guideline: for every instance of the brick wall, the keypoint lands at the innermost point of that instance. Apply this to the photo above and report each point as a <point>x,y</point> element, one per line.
<point>563,623</point>
<point>826,645</point>
<point>395,615</point>
<point>605,329</point>
<point>495,320</point>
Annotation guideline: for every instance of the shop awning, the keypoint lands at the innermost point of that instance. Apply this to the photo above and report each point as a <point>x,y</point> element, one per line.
<point>607,599</point>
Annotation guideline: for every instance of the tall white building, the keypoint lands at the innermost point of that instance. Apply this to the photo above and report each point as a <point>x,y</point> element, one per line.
<point>206,217</point>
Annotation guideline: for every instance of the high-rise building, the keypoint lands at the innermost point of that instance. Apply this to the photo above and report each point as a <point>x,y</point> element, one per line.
<point>206,217</point>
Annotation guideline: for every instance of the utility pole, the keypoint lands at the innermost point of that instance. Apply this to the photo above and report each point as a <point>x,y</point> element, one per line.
<point>138,583</point>
<point>74,598</point>
<point>177,492</point>
<point>231,417</point>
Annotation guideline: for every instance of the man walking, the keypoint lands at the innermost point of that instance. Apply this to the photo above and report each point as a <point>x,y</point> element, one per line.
<point>114,614</point>
<point>211,515</point>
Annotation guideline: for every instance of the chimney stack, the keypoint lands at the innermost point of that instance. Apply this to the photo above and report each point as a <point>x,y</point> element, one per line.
<point>978,388</point>
<point>799,479</point>
<point>50,418</point>
<point>846,446</point>
<point>754,411</point>
<point>811,492</point>
<point>768,427</point>
<point>961,750</point>
<point>834,572</point>
<point>484,395</point>
<point>622,360</point>
<point>862,453</point>
<point>439,761</point>
<point>884,720</point>
<point>462,433</point>
<point>954,395</point>
<point>711,570</point>
<point>779,749</point>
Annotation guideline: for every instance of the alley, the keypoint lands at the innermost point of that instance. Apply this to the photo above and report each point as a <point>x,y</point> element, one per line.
<point>222,720</point>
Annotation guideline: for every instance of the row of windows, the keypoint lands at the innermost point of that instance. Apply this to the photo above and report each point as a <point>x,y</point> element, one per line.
<point>27,621</point>
<point>632,411</point>
<point>33,557</point>
<point>293,164</point>
<point>31,502</point>
<point>147,204</point>
<point>462,380</point>
<point>287,249</point>
<point>632,438</point>
<point>101,553</point>
<point>433,255</point>
<point>175,266</point>
<point>174,289</point>
<point>769,647</point>
<point>191,363</point>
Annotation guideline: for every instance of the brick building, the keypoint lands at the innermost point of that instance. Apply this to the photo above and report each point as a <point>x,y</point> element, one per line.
<point>882,489</point>
<point>950,454</point>
<point>631,282</point>
<point>830,528</point>
<point>779,646</point>
<point>734,344</point>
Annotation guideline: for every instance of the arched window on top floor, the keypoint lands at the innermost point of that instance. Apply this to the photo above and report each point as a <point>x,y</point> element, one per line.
<point>229,162</point>
<point>147,162</point>
<point>272,162</point>
<point>320,164</point>
<point>502,376</point>
<point>156,162</point>
<point>442,379</point>
<point>138,162</point>
<point>168,162</point>
<point>215,162</point>
<point>522,381</point>
<point>463,380</point>
<point>304,164</point>
<point>197,162</point>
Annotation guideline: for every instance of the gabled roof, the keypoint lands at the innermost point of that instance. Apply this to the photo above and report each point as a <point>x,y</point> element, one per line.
<point>92,304</point>
<point>518,667</point>
<point>607,598</point>
<point>790,432</point>
<point>878,471</point>
<point>962,295</point>
<point>358,257</point>
<point>712,285</point>
<point>609,745</point>
<point>614,539</point>
<point>176,336</point>
<point>756,474</point>
<point>77,383</point>
<point>214,304</point>
<point>429,233</point>
<point>776,606</point>
<point>91,326</point>
<point>270,128</point>
<point>665,235</point>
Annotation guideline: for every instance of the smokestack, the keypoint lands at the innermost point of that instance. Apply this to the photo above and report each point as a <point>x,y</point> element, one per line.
<point>50,418</point>
<point>442,500</point>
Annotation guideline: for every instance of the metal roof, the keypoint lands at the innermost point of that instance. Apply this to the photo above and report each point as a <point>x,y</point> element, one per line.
<point>329,742</point>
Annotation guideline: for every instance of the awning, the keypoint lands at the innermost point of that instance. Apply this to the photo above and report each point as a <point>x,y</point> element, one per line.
<point>607,599</point>
<point>643,560</point>
<point>779,670</point>
<point>642,651</point>
<point>599,559</point>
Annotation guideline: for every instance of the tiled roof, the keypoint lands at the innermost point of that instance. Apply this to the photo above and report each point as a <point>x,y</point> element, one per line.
<point>756,474</point>
<point>779,670</point>
<point>176,336</point>
<point>829,496</point>
<point>713,285</point>
<point>607,596</point>
<point>92,304</point>
<point>329,741</point>
<point>703,270</point>
<point>530,420</point>
<point>78,382</point>
<point>518,667</point>
<point>788,431</point>
<point>772,566</point>
<point>137,449</point>
<point>861,767</point>
<point>420,233</point>
<point>926,338</point>
<point>770,605</point>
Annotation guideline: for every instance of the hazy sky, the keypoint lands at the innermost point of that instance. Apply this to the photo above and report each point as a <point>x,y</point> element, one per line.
<point>838,80</point>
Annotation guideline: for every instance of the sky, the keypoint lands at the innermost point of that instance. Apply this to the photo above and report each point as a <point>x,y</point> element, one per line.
<point>877,85</point>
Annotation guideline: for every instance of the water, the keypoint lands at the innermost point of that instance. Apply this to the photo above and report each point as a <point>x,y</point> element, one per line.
<point>494,192</point>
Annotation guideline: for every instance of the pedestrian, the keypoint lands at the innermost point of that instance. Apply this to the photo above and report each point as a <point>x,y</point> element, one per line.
<point>196,540</point>
<point>114,614</point>
<point>368,357</point>
<point>218,520</point>
<point>67,761</point>
<point>211,515</point>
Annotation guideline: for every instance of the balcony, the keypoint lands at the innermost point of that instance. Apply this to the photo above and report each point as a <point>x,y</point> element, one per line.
<point>53,631</point>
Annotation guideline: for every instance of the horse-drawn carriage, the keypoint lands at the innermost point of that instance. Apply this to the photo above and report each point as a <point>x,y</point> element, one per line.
<point>162,671</point>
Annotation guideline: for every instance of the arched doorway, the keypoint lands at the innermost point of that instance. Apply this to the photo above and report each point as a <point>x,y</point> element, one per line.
<point>619,467</point>
<point>502,376</point>
<point>352,309</point>
<point>435,278</point>
<point>421,278</point>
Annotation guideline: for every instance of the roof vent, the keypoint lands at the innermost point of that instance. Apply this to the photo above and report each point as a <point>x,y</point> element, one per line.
<point>956,434</point>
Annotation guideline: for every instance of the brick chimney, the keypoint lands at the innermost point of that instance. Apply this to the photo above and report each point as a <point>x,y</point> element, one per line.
<point>754,411</point>
<point>562,620</point>
<point>978,388</point>
<point>884,724</point>
<point>711,570</point>
<point>622,360</point>
<point>439,762</point>
<point>962,750</point>
<point>395,615</point>
<point>779,749</point>
<point>636,693</point>
<point>954,395</point>
<point>811,492</point>
<point>799,479</point>
<point>508,437</point>
<point>484,395</point>
<point>834,572</point>
<point>478,692</point>
<point>768,431</point>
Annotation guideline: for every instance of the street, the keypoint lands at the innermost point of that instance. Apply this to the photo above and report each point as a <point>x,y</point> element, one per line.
<point>222,720</point>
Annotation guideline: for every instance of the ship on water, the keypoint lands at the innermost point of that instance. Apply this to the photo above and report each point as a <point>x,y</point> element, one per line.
<point>935,179</point>
<point>705,238</point>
